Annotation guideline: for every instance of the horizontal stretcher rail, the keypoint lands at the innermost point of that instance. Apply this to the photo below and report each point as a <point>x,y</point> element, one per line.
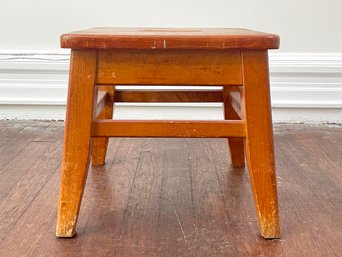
<point>141,95</point>
<point>168,128</point>
<point>159,67</point>
<point>167,96</point>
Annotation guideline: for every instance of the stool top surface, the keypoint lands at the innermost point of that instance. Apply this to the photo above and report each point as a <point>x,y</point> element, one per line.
<point>169,38</point>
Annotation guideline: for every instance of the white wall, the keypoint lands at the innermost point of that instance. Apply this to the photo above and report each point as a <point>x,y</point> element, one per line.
<point>306,73</point>
<point>304,26</point>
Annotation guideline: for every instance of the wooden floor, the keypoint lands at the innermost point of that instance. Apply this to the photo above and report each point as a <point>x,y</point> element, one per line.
<point>170,197</point>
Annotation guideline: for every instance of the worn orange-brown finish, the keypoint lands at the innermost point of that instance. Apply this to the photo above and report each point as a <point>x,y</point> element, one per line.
<point>82,96</point>
<point>168,38</point>
<point>236,145</point>
<point>168,128</point>
<point>168,96</point>
<point>173,67</point>
<point>233,58</point>
<point>104,110</point>
<point>256,110</point>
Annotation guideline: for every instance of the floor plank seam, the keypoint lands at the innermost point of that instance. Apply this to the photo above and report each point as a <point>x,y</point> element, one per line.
<point>33,199</point>
<point>130,192</point>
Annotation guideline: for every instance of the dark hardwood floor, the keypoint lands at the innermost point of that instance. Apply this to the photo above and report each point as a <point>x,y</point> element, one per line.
<point>170,197</point>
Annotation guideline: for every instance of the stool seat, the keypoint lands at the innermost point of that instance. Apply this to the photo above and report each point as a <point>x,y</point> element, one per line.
<point>235,59</point>
<point>160,38</point>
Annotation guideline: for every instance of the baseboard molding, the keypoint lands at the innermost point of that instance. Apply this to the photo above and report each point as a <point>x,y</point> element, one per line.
<point>306,80</point>
<point>304,87</point>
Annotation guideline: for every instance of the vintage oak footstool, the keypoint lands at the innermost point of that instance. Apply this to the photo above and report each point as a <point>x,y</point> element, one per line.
<point>235,59</point>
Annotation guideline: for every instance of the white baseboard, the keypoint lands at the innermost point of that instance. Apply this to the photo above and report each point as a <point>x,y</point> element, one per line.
<point>305,87</point>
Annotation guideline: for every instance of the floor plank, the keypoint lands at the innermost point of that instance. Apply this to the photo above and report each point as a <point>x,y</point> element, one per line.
<point>170,197</point>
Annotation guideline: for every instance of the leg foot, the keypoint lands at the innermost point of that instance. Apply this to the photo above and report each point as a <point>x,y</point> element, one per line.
<point>237,155</point>
<point>259,141</point>
<point>77,139</point>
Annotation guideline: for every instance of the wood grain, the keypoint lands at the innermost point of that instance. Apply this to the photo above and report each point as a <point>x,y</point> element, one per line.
<point>213,231</point>
<point>256,109</point>
<point>168,96</point>
<point>100,144</point>
<point>116,202</point>
<point>174,67</point>
<point>102,99</point>
<point>82,97</point>
<point>185,171</point>
<point>167,38</point>
<point>120,56</point>
<point>309,183</point>
<point>168,128</point>
<point>28,176</point>
<point>234,97</point>
<point>236,145</point>
<point>11,149</point>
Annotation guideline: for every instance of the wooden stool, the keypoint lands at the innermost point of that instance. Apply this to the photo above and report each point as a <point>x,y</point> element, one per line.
<point>233,58</point>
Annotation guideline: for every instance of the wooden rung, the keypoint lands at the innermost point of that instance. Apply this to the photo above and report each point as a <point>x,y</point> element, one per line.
<point>142,96</point>
<point>102,98</point>
<point>160,94</point>
<point>168,128</point>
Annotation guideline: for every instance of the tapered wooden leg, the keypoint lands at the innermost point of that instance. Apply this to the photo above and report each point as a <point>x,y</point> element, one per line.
<point>236,145</point>
<point>100,144</point>
<point>259,140</point>
<point>77,139</point>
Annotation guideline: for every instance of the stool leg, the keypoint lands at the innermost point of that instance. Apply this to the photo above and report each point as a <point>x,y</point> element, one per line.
<point>236,145</point>
<point>82,96</point>
<point>259,140</point>
<point>100,144</point>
